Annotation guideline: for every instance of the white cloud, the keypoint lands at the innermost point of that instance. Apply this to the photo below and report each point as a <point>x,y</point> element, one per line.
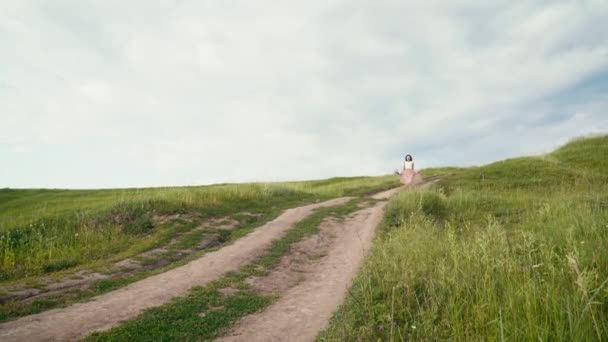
<point>204,91</point>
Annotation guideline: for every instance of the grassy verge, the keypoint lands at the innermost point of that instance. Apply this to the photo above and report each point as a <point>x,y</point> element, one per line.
<point>515,250</point>
<point>206,312</point>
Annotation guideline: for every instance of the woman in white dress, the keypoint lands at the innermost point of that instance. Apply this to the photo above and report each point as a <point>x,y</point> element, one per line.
<point>409,174</point>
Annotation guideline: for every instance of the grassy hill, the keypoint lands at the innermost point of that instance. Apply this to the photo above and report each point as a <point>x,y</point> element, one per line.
<point>580,164</point>
<point>514,250</point>
<point>511,250</point>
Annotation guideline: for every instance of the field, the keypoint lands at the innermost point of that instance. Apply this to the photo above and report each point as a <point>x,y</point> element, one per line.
<point>514,250</point>
<point>50,236</point>
<point>42,231</point>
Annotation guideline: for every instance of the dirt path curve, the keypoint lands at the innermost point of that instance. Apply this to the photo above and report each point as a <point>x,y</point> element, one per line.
<point>108,310</point>
<point>388,193</point>
<point>305,309</point>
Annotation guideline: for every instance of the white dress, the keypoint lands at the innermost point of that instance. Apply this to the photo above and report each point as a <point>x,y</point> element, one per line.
<point>408,165</point>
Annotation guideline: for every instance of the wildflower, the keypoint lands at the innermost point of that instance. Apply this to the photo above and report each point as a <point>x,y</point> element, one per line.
<point>414,327</point>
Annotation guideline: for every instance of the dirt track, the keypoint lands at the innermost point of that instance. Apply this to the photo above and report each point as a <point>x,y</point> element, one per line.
<point>108,310</point>
<point>304,310</point>
<point>306,304</point>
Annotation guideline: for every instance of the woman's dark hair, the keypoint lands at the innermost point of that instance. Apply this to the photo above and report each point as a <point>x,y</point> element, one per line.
<point>410,156</point>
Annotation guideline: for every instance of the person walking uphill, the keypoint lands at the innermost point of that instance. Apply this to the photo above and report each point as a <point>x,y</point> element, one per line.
<point>409,176</point>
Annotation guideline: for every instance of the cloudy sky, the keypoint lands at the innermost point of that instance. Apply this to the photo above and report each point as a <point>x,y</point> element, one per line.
<point>145,93</point>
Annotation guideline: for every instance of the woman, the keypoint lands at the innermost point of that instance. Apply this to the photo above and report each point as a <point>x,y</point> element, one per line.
<point>409,176</point>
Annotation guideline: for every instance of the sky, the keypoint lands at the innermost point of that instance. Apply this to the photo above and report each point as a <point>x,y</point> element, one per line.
<point>97,94</point>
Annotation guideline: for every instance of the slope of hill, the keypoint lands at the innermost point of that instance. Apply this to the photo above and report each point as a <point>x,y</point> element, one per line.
<point>513,250</point>
<point>587,154</point>
<point>582,162</point>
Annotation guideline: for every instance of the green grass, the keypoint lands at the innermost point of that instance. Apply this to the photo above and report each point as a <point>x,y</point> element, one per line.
<point>193,318</point>
<point>205,312</point>
<point>45,231</point>
<point>440,171</point>
<point>585,154</point>
<point>515,250</point>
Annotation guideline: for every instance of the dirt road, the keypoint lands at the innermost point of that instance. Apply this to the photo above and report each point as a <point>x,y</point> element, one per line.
<point>304,310</point>
<point>108,310</point>
<point>306,305</point>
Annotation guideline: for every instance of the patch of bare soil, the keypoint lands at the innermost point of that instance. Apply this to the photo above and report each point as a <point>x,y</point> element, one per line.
<point>384,195</point>
<point>300,260</point>
<point>161,219</point>
<point>226,223</point>
<point>106,311</point>
<point>80,280</point>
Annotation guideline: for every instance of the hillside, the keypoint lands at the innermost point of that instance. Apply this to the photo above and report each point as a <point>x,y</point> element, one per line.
<point>514,250</point>
<point>510,250</point>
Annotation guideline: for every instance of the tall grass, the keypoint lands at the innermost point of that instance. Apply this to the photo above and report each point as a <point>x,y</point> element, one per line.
<point>520,255</point>
<point>43,231</point>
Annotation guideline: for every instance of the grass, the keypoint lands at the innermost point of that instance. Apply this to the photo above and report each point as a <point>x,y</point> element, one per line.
<point>205,312</point>
<point>45,231</point>
<point>196,317</point>
<point>515,250</point>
